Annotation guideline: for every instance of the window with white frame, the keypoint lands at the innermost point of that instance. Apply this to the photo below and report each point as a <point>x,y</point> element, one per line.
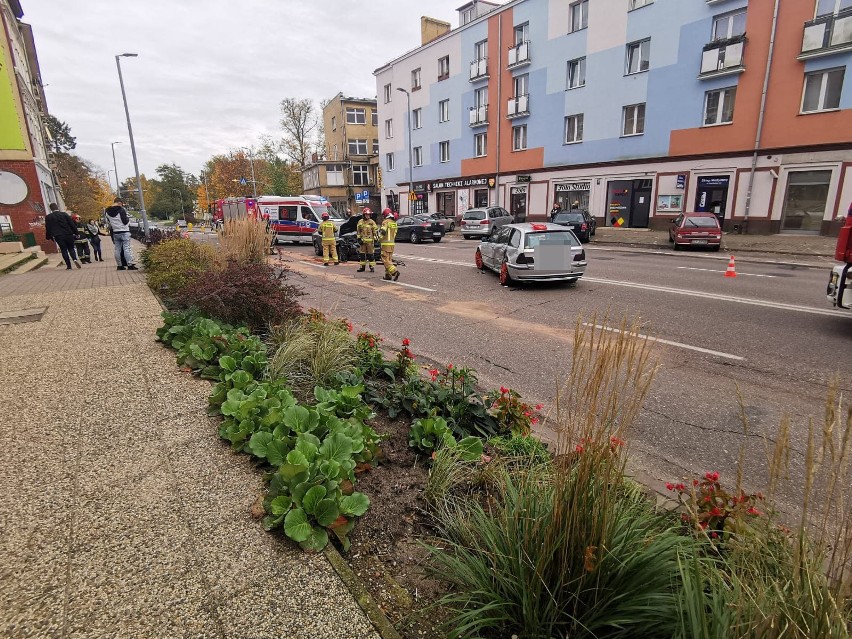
<point>480,50</point>
<point>579,12</point>
<point>375,147</point>
<point>415,79</point>
<point>576,73</point>
<point>633,120</point>
<point>635,4</point>
<point>719,106</point>
<point>334,174</point>
<point>822,90</point>
<point>417,151</point>
<point>335,155</point>
<point>467,16</point>
<point>519,137</point>
<point>333,123</point>
<point>444,150</point>
<point>388,93</point>
<point>480,97</point>
<point>356,115</point>
<point>480,144</point>
<point>357,147</point>
<point>522,84</point>
<point>388,129</point>
<point>574,128</point>
<point>638,57</point>
<point>444,67</point>
<point>444,111</point>
<point>522,33</point>
<point>375,118</point>
<point>389,161</point>
<point>417,118</point>
<point>360,175</point>
<point>729,25</point>
<point>828,7</point>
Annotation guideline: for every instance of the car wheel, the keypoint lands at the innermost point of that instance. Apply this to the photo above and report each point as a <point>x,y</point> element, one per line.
<point>452,226</point>
<point>675,246</point>
<point>717,248</point>
<point>505,278</point>
<point>437,239</point>
<point>467,237</point>
<point>415,238</point>
<point>478,259</point>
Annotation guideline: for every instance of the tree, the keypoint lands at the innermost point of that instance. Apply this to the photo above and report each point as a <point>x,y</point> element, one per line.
<point>224,173</point>
<point>299,121</point>
<point>281,177</point>
<point>130,192</point>
<point>83,189</point>
<point>174,192</point>
<point>59,133</point>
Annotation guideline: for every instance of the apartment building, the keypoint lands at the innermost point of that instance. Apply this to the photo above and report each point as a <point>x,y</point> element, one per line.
<point>349,167</point>
<point>634,109</point>
<point>27,183</point>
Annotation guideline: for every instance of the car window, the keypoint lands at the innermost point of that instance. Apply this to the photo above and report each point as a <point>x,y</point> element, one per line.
<point>288,213</point>
<point>569,217</point>
<point>566,238</point>
<point>678,220</point>
<point>405,221</point>
<point>474,214</point>
<point>514,238</point>
<point>503,234</point>
<point>308,214</point>
<point>701,222</point>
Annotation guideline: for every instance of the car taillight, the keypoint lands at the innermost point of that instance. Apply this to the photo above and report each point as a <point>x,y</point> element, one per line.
<point>579,257</point>
<point>583,226</point>
<point>484,222</point>
<point>426,225</point>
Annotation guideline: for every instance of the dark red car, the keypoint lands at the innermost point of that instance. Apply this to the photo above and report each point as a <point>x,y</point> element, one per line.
<point>696,229</point>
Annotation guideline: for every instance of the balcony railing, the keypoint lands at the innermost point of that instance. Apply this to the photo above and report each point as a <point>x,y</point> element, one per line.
<point>827,34</point>
<point>479,115</point>
<point>518,106</point>
<point>722,57</point>
<point>479,69</point>
<point>519,54</point>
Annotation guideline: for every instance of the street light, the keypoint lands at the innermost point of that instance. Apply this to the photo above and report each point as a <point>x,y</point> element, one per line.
<point>251,161</point>
<point>115,166</point>
<point>410,163</point>
<point>180,195</point>
<point>132,144</point>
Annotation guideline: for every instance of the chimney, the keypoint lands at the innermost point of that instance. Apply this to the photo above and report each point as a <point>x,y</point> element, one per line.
<point>431,28</point>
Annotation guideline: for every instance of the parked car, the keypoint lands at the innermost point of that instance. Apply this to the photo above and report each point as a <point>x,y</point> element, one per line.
<point>696,229</point>
<point>579,221</point>
<point>417,228</point>
<point>348,245</point>
<point>483,221</point>
<point>537,252</point>
<point>448,222</point>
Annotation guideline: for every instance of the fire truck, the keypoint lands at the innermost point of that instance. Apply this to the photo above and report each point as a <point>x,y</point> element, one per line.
<point>840,281</point>
<point>234,208</point>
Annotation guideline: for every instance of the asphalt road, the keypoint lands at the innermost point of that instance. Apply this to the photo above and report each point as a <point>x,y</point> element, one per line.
<point>768,331</point>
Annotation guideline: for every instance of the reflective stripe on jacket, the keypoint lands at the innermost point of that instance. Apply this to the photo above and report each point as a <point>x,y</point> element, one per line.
<point>366,230</point>
<point>326,229</point>
<point>389,231</point>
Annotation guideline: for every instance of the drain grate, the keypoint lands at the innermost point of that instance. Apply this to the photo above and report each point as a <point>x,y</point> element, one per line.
<point>22,316</point>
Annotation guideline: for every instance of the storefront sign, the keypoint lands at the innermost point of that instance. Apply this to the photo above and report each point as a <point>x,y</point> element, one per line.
<point>573,186</point>
<point>717,181</point>
<point>420,186</point>
<point>681,181</point>
<point>524,179</point>
<point>519,190</point>
<point>458,183</point>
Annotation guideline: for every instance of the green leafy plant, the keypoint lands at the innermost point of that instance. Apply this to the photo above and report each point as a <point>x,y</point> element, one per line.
<point>173,264</point>
<point>527,448</point>
<point>429,433</point>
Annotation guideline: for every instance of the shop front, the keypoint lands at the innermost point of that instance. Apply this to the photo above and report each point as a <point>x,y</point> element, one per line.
<point>518,203</point>
<point>453,197</point>
<point>629,203</point>
<point>419,199</point>
<point>805,201</point>
<point>711,195</point>
<point>572,195</point>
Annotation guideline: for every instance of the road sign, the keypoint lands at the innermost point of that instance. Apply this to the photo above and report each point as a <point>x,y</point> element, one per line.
<point>243,182</point>
<point>412,197</point>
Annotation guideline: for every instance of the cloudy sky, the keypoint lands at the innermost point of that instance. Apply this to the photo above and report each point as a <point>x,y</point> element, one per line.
<point>210,73</point>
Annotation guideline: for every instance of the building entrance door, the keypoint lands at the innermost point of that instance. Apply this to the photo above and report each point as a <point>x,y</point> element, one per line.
<point>447,203</point>
<point>805,201</point>
<point>480,198</point>
<point>518,203</point>
<point>640,205</point>
<point>711,196</point>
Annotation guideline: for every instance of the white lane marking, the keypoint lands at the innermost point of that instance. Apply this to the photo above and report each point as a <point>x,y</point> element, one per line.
<point>671,343</point>
<point>713,270</point>
<point>419,288</point>
<point>436,260</point>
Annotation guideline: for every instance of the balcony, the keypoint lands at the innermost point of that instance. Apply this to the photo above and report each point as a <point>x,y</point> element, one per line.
<point>519,106</point>
<point>479,70</point>
<point>723,57</point>
<point>519,55</point>
<point>827,34</point>
<point>479,115</point>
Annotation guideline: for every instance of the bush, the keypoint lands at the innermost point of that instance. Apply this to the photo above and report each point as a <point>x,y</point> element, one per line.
<point>251,294</point>
<point>246,240</point>
<point>173,264</point>
<point>158,235</point>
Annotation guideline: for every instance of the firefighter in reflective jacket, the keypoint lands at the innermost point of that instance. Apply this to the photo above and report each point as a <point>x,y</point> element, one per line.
<point>367,231</point>
<point>388,234</point>
<point>329,242</point>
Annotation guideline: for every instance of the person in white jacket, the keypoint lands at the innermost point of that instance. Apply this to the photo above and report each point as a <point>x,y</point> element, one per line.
<point>119,222</point>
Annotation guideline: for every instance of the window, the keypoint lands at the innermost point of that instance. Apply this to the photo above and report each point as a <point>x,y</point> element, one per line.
<point>638,56</point>
<point>480,50</point>
<point>443,111</point>
<point>388,129</point>
<point>334,174</point>
<point>360,175</point>
<point>444,68</point>
<point>522,33</point>
<point>828,7</point>
<point>333,123</point>
<point>574,128</point>
<point>336,156</point>
<point>444,150</point>
<point>576,73</point>
<point>375,118</point>
<point>467,16</point>
<point>417,118</point>
<point>634,120</point>
<point>415,79</point>
<point>729,25</point>
<point>635,4</point>
<point>389,161</point>
<point>719,106</point>
<point>356,115</point>
<point>375,147</point>
<point>519,137</point>
<point>822,90</point>
<point>357,147</point>
<point>579,15</point>
<point>480,97</point>
<point>418,155</point>
<point>521,83</point>
<point>480,144</point>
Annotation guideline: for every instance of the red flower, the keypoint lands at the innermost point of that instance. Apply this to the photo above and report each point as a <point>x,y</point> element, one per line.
<point>669,485</point>
<point>715,512</point>
<point>433,373</point>
<point>714,535</point>
<point>714,476</point>
<point>449,367</point>
<point>615,441</point>
<point>349,326</point>
<point>753,511</point>
<point>534,420</point>
<point>578,448</point>
<point>680,487</point>
<point>703,525</point>
<point>539,406</point>
<point>406,342</point>
<point>503,390</point>
<point>527,413</point>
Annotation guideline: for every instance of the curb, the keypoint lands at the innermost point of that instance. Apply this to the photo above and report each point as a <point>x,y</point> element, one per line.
<point>378,618</point>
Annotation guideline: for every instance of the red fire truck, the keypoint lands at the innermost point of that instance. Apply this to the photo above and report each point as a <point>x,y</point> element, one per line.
<point>840,282</point>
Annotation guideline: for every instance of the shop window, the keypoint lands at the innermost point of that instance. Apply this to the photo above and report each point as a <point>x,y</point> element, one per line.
<point>480,198</point>
<point>805,201</point>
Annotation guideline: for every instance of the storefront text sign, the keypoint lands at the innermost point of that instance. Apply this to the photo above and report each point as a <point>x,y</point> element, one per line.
<point>523,179</point>
<point>681,181</point>
<point>573,186</point>
<point>459,183</point>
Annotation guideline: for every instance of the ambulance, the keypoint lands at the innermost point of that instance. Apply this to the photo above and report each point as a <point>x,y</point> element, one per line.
<point>294,218</point>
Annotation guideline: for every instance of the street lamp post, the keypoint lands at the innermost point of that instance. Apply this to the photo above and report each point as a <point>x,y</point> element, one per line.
<point>114,165</point>
<point>180,195</point>
<point>251,162</point>
<point>410,163</point>
<point>132,144</point>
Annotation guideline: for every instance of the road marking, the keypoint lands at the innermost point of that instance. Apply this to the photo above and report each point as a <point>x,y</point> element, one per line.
<point>436,260</point>
<point>670,343</point>
<point>419,288</point>
<point>712,270</point>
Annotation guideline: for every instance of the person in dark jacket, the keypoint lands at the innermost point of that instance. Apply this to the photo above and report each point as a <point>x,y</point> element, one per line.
<point>119,223</point>
<point>59,227</point>
<point>81,243</point>
<point>93,233</point>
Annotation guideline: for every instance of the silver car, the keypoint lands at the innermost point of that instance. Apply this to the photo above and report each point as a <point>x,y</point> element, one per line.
<point>483,221</point>
<point>532,253</point>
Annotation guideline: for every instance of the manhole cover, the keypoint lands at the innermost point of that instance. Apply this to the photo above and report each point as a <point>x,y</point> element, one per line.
<point>22,315</point>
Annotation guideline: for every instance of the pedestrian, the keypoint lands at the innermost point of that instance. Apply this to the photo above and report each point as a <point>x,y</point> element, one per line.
<point>329,241</point>
<point>59,227</point>
<point>367,232</point>
<point>81,242</point>
<point>348,212</point>
<point>93,233</point>
<point>556,210</point>
<point>119,222</point>
<point>388,233</point>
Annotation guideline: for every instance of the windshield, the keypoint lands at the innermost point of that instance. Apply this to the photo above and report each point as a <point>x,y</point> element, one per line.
<point>474,215</point>
<point>319,209</point>
<point>701,222</point>
<point>569,217</point>
<point>564,238</point>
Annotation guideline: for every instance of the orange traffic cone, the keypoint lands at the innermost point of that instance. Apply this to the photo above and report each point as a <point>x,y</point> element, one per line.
<point>732,270</point>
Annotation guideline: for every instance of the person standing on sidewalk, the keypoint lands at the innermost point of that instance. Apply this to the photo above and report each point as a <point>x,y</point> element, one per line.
<point>366,231</point>
<point>329,242</point>
<point>93,233</point>
<point>59,227</point>
<point>119,222</point>
<point>81,242</point>
<point>388,233</point>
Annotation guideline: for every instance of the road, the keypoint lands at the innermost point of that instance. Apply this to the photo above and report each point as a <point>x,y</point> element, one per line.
<point>768,331</point>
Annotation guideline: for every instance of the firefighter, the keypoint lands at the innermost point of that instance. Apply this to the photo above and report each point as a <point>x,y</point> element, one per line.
<point>367,232</point>
<point>388,233</point>
<point>329,242</point>
<point>81,243</point>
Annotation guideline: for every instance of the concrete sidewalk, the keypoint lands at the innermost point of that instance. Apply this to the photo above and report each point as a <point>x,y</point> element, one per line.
<point>122,514</point>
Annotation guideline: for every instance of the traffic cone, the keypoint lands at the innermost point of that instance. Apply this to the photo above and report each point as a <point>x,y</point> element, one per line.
<point>732,270</point>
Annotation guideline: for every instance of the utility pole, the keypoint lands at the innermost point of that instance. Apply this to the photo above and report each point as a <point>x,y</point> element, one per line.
<point>410,163</point>
<point>115,170</point>
<point>132,144</point>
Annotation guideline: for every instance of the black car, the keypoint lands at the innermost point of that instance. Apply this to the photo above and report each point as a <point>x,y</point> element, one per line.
<point>579,221</point>
<point>417,228</point>
<point>348,245</point>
